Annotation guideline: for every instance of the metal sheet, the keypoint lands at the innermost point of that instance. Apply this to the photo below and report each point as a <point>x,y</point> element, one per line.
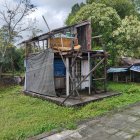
<point>135,68</point>
<point>116,70</point>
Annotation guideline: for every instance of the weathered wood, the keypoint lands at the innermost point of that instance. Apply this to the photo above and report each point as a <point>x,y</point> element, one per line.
<point>67,77</point>
<point>60,53</point>
<point>26,50</point>
<point>49,43</point>
<point>75,59</point>
<point>43,45</point>
<point>46,44</point>
<point>85,78</point>
<point>46,23</point>
<point>99,79</point>
<point>105,74</point>
<point>38,46</point>
<point>34,47</point>
<point>89,71</point>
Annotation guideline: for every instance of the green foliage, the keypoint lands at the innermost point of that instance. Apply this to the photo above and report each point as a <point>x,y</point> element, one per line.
<point>19,60</point>
<point>127,37</point>
<point>13,60</point>
<point>23,116</point>
<point>104,19</point>
<point>74,10</point>
<point>123,7</point>
<point>108,17</point>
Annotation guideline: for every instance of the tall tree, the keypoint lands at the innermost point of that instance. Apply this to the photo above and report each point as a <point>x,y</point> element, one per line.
<point>127,37</point>
<point>75,8</point>
<point>123,7</point>
<point>104,19</point>
<point>12,17</point>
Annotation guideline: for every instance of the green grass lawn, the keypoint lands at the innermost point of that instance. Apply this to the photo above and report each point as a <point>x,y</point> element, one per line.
<point>22,116</point>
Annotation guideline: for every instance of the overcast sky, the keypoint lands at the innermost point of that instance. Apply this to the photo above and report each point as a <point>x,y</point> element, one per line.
<point>55,12</point>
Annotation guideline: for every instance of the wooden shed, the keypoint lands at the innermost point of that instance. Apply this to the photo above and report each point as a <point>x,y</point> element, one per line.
<point>62,63</point>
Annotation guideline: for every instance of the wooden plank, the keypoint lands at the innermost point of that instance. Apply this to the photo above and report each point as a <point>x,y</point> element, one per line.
<point>85,78</point>
<point>67,77</point>
<point>60,53</point>
<point>99,79</point>
<point>89,67</point>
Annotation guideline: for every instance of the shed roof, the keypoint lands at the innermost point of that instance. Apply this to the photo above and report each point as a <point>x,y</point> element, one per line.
<point>55,31</point>
<point>117,70</point>
<point>135,68</point>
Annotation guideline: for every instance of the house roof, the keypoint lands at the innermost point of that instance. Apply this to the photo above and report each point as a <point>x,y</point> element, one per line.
<point>117,70</point>
<point>135,67</point>
<point>55,31</point>
<point>128,61</point>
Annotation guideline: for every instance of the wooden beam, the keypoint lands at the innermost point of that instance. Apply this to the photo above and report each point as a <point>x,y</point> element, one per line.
<point>43,45</point>
<point>60,53</point>
<point>105,73</point>
<point>89,64</point>
<point>34,46</point>
<point>84,79</point>
<point>49,43</point>
<point>99,79</point>
<point>67,77</point>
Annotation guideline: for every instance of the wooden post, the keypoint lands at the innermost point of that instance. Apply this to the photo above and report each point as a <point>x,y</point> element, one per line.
<point>46,43</point>
<point>25,64</point>
<point>43,45</point>
<point>105,73</point>
<point>39,48</point>
<point>90,74</point>
<point>84,79</point>
<point>67,77</point>
<point>94,83</point>
<point>73,76</point>
<point>49,42</point>
<point>34,46</point>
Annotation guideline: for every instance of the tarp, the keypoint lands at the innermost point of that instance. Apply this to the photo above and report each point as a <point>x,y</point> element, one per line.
<point>117,70</point>
<point>40,73</point>
<point>135,68</point>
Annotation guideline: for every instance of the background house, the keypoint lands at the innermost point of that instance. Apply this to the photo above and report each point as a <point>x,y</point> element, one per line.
<point>128,71</point>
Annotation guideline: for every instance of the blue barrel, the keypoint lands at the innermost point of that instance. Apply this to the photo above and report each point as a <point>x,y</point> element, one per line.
<point>59,68</point>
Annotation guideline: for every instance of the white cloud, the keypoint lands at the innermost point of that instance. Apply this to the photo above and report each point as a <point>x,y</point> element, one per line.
<point>55,12</point>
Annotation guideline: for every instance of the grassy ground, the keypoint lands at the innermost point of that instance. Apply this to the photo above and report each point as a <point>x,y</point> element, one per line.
<point>23,116</point>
